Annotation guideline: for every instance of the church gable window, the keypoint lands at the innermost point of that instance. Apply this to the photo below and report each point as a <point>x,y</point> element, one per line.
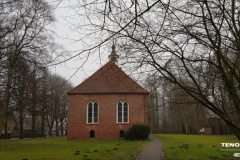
<point>92,112</point>
<point>122,112</point>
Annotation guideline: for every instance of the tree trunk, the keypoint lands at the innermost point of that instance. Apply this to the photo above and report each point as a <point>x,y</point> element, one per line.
<point>6,99</point>
<point>51,126</point>
<point>61,128</point>
<point>33,102</point>
<point>156,102</point>
<point>236,131</point>
<point>43,119</point>
<point>153,117</point>
<point>66,132</point>
<point>186,127</point>
<point>198,127</point>
<point>57,128</point>
<point>185,123</point>
<point>3,125</point>
<point>6,129</point>
<point>21,122</point>
<point>50,131</point>
<point>43,110</point>
<point>164,122</point>
<point>33,125</point>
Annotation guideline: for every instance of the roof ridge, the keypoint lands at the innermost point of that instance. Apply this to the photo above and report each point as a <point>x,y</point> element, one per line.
<point>110,78</point>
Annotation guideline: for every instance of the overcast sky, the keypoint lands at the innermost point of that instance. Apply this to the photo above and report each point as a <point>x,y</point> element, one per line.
<point>64,35</point>
<point>65,15</point>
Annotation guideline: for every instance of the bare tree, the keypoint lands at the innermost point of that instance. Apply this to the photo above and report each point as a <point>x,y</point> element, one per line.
<point>20,91</point>
<point>63,111</point>
<point>57,102</point>
<point>23,34</point>
<point>193,44</point>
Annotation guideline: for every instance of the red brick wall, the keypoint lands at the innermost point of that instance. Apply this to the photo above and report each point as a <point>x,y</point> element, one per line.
<point>207,130</point>
<point>107,128</point>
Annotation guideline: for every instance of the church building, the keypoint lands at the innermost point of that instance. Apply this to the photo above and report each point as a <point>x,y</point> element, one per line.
<point>106,104</point>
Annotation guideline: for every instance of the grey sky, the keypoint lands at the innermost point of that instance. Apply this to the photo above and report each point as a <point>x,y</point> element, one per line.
<point>65,36</point>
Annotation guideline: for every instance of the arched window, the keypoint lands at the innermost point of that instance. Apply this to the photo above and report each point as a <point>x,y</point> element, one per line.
<point>92,112</point>
<point>122,112</point>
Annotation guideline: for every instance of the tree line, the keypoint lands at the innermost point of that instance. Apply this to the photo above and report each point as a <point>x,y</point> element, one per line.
<point>172,110</point>
<point>27,87</point>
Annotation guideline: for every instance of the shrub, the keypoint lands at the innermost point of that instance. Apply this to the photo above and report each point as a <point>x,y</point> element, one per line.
<point>29,135</point>
<point>29,131</point>
<point>138,132</point>
<point>3,136</point>
<point>183,129</point>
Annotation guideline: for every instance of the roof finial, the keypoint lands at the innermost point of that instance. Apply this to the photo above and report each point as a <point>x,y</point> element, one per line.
<point>113,56</point>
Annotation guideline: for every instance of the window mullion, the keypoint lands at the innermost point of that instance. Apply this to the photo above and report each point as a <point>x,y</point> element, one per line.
<point>122,112</point>
<point>127,113</point>
<point>92,112</point>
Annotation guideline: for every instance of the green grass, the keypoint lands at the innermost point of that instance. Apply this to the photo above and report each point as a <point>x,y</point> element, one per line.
<point>61,148</point>
<point>206,151</point>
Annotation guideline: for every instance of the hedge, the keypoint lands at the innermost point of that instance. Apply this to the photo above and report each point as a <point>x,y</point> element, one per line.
<point>3,136</point>
<point>138,132</point>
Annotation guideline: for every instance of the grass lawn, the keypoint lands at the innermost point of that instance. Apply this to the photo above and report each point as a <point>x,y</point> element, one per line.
<point>197,147</point>
<point>61,148</point>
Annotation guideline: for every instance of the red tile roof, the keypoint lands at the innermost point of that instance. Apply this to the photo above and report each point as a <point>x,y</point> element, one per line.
<point>108,79</point>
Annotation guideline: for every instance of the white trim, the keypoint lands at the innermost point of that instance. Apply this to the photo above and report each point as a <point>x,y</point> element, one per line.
<point>122,112</point>
<point>92,113</point>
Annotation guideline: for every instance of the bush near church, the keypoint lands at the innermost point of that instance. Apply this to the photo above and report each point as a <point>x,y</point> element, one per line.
<point>138,132</point>
<point>27,133</point>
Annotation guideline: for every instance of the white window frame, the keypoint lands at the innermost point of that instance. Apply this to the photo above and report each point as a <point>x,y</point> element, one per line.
<point>92,113</point>
<point>122,112</point>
